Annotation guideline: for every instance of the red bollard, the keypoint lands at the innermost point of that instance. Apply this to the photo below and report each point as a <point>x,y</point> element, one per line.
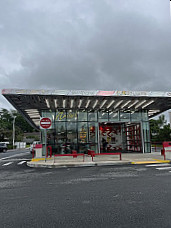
<point>74,152</point>
<point>89,152</point>
<point>47,152</point>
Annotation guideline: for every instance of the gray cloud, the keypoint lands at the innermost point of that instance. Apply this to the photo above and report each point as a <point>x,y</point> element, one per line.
<point>85,44</point>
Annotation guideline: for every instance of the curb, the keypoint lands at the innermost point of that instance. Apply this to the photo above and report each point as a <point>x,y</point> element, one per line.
<point>150,162</point>
<point>37,165</point>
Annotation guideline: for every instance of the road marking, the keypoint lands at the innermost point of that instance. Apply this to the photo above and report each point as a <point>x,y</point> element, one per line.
<point>163,168</point>
<point>20,163</point>
<point>9,163</point>
<point>16,155</point>
<point>164,164</point>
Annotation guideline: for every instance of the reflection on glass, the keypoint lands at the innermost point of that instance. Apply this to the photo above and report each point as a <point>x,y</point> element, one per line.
<point>71,137</point>
<point>82,116</point>
<point>82,137</point>
<point>144,115</point>
<point>61,137</point>
<point>92,116</point>
<point>113,116</point>
<point>136,116</point>
<point>125,116</point>
<point>103,116</point>
<point>93,133</point>
<point>82,132</point>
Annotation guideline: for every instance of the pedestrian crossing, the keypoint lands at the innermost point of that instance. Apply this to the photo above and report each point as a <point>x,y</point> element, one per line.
<point>6,164</point>
<point>161,167</point>
<point>12,163</point>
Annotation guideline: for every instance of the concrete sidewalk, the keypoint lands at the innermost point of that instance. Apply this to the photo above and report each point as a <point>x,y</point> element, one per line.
<point>127,158</point>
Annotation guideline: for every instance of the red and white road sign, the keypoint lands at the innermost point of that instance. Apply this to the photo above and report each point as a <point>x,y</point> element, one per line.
<point>45,123</point>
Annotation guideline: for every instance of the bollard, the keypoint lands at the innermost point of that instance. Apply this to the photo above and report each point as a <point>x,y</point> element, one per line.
<point>74,152</point>
<point>47,151</point>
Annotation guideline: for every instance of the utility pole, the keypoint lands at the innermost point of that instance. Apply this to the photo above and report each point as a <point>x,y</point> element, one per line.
<point>13,131</point>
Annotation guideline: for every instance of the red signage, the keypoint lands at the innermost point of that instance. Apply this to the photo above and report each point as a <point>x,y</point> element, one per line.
<point>105,93</point>
<point>45,123</point>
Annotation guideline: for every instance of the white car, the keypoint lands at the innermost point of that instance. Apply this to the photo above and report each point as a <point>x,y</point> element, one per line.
<point>33,145</point>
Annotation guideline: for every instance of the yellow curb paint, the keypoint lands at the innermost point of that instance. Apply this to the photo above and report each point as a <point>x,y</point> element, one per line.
<point>150,162</point>
<point>39,159</point>
<point>163,161</point>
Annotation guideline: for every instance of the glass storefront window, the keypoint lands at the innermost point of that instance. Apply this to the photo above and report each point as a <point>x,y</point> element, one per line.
<point>113,116</point>
<point>92,116</point>
<point>82,132</point>
<point>72,130</point>
<point>93,129</point>
<point>71,115</point>
<point>71,137</point>
<point>144,115</point>
<point>82,116</point>
<point>125,116</point>
<point>82,137</point>
<point>61,137</point>
<point>60,132</point>
<point>60,116</point>
<point>135,116</point>
<point>103,116</point>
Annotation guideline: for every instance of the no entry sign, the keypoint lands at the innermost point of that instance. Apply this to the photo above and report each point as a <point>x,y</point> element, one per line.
<point>45,123</point>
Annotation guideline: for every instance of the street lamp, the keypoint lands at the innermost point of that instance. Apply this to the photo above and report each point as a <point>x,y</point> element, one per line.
<point>13,141</point>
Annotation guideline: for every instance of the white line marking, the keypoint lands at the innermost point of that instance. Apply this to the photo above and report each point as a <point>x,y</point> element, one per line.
<point>164,164</point>
<point>163,168</point>
<point>16,155</point>
<point>20,163</point>
<point>9,163</point>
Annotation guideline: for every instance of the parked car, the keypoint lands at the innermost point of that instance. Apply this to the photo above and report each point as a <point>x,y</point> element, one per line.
<point>33,145</point>
<point>3,147</point>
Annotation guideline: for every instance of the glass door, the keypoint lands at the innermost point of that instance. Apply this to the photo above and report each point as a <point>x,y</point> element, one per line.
<point>110,137</point>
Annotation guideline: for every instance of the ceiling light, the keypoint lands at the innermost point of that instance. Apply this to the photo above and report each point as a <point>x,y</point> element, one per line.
<point>72,102</point>
<point>117,104</point>
<point>103,103</point>
<point>136,101</point>
<point>148,103</point>
<point>80,102</point>
<point>138,105</point>
<point>31,111</point>
<point>47,102</point>
<point>111,103</point>
<point>125,104</point>
<point>88,102</point>
<point>95,103</point>
<point>55,101</point>
<point>64,102</point>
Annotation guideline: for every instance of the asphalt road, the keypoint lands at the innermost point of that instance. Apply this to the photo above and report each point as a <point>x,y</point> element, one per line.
<point>113,196</point>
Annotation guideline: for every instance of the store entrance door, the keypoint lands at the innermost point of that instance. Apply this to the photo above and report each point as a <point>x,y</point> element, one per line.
<point>110,137</point>
<point>133,137</point>
<point>120,137</point>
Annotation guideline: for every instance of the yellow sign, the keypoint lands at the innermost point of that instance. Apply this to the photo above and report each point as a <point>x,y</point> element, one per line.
<point>62,115</point>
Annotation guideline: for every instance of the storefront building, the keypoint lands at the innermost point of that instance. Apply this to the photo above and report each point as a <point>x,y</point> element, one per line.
<point>102,121</point>
<point>83,130</point>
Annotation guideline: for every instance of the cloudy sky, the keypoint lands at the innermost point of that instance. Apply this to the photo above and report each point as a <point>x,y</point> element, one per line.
<point>85,44</point>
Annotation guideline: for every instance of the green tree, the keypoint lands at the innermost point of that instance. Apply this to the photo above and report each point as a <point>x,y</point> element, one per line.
<point>6,125</point>
<point>160,130</point>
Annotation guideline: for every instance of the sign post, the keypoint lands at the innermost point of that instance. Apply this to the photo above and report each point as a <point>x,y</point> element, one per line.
<point>45,123</point>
